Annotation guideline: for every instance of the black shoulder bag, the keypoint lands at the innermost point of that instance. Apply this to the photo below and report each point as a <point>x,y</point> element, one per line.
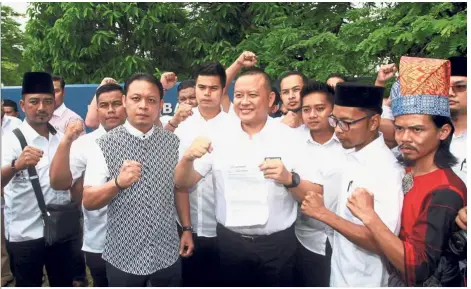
<point>61,222</point>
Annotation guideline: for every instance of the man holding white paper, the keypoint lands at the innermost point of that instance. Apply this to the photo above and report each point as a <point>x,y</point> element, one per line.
<point>258,178</point>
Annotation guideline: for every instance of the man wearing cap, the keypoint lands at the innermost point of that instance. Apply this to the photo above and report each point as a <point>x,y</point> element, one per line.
<point>369,163</point>
<point>459,113</point>
<point>23,223</point>
<point>433,192</point>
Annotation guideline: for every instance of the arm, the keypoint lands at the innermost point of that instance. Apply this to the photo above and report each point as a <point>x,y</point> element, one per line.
<point>76,191</point>
<point>91,120</point>
<point>182,202</point>
<point>417,256</point>
<point>300,192</point>
<point>185,174</point>
<point>387,128</point>
<point>59,171</point>
<point>97,197</point>
<point>7,174</point>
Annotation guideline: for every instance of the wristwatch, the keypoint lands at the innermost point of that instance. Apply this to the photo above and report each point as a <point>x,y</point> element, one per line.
<point>295,182</point>
<point>13,165</point>
<point>187,228</point>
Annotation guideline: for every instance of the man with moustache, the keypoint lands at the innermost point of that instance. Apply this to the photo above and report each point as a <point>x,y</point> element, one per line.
<point>70,162</point>
<point>24,227</point>
<point>459,114</point>
<point>256,181</point>
<point>315,238</point>
<point>130,169</point>
<point>291,84</point>
<point>433,192</point>
<point>369,163</point>
<point>201,269</point>
<point>186,101</point>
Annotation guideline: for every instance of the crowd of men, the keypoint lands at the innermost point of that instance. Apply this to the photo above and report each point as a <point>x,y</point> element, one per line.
<point>312,184</point>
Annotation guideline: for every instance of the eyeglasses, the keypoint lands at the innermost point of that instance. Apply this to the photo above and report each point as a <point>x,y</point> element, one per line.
<point>344,125</point>
<point>459,88</point>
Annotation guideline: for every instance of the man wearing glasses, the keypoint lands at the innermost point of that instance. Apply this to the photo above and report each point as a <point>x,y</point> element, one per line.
<point>459,113</point>
<point>369,164</point>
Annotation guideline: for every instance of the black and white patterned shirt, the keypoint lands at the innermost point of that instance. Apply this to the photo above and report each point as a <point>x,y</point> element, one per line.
<point>142,236</point>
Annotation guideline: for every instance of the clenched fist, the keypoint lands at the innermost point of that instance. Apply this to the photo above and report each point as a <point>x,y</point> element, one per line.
<point>461,219</point>
<point>291,119</point>
<point>29,157</point>
<point>361,204</point>
<point>276,170</point>
<point>199,147</point>
<point>129,173</point>
<point>313,205</point>
<point>74,129</point>
<point>184,110</point>
<point>107,80</point>
<point>168,80</point>
<point>385,73</point>
<point>247,59</point>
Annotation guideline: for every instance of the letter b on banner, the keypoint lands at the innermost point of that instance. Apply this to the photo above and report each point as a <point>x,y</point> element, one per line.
<point>167,108</point>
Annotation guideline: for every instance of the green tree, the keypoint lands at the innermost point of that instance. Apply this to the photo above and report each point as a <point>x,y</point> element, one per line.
<point>13,43</point>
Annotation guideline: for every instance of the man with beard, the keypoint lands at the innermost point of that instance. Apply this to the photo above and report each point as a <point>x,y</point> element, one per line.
<point>459,113</point>
<point>356,260</point>
<point>70,163</point>
<point>434,193</point>
<point>291,84</point>
<point>315,238</point>
<point>24,226</point>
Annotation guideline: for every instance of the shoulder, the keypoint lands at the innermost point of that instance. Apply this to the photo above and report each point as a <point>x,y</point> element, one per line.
<point>450,181</point>
<point>447,198</point>
<point>167,135</point>
<point>15,122</point>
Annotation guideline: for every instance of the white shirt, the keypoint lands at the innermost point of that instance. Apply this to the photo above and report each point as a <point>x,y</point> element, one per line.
<point>164,119</point>
<point>458,149</point>
<point>374,168</point>
<point>23,219</point>
<point>202,199</point>
<point>387,113</point>
<point>328,158</point>
<point>9,123</point>
<point>99,174</point>
<point>232,145</point>
<point>94,222</point>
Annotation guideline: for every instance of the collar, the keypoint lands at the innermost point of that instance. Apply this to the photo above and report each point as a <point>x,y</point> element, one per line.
<point>308,138</point>
<point>137,133</point>
<point>269,124</point>
<point>31,134</point>
<point>60,110</point>
<point>369,151</point>
<point>197,113</point>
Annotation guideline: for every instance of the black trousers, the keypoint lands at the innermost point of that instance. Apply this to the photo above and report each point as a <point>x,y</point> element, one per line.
<point>266,260</point>
<point>168,277</point>
<point>78,260</point>
<point>97,267</point>
<point>312,270</point>
<point>202,268</point>
<point>29,257</point>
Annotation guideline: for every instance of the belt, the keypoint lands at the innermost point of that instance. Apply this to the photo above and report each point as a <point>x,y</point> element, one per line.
<point>253,238</point>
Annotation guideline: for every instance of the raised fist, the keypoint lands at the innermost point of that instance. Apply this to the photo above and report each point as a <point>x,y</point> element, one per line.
<point>199,147</point>
<point>129,173</point>
<point>168,80</point>
<point>184,110</point>
<point>29,157</point>
<point>385,73</point>
<point>107,80</point>
<point>74,129</point>
<point>291,119</point>
<point>247,59</point>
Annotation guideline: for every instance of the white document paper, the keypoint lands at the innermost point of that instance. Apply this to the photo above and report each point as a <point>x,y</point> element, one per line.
<point>246,195</point>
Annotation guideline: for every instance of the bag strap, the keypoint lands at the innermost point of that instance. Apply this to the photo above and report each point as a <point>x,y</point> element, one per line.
<point>33,176</point>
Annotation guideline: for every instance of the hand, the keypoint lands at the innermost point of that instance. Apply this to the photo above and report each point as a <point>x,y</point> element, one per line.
<point>198,148</point>
<point>29,157</point>
<point>186,244</point>
<point>168,80</point>
<point>247,59</point>
<point>313,205</point>
<point>74,129</point>
<point>275,170</point>
<point>184,110</point>
<point>385,73</point>
<point>129,173</point>
<point>107,80</point>
<point>461,218</point>
<point>291,119</point>
<point>361,204</point>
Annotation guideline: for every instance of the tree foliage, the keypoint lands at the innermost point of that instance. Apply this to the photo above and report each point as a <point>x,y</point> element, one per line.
<point>85,42</point>
<point>13,43</point>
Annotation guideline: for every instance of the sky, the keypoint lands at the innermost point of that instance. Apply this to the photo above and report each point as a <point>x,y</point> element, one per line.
<point>19,7</point>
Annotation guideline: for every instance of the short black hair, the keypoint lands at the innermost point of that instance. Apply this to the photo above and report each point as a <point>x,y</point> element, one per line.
<point>277,95</point>
<point>190,83</point>
<point>10,103</point>
<point>293,72</point>
<point>212,69</point>
<point>312,86</point>
<point>145,77</point>
<point>336,75</point>
<point>372,110</point>
<point>108,88</point>
<point>258,71</point>
<point>60,79</point>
